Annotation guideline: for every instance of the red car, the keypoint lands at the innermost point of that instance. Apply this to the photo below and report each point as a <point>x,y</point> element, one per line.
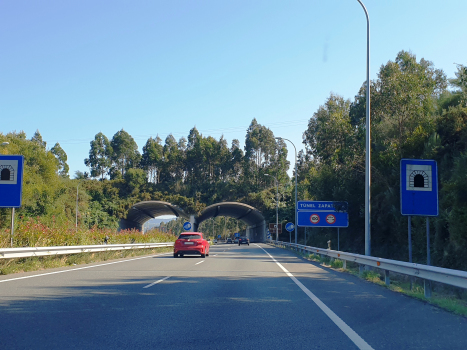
<point>191,243</point>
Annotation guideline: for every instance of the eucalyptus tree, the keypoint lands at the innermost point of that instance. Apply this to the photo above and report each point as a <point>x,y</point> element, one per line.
<point>125,153</point>
<point>62,158</point>
<point>151,159</point>
<point>404,104</point>
<point>100,155</point>
<point>37,138</point>
<point>330,132</point>
<point>260,149</point>
<point>172,168</point>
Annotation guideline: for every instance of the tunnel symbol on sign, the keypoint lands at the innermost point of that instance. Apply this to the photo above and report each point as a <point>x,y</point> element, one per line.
<point>330,219</point>
<point>419,177</point>
<point>314,218</point>
<point>7,172</point>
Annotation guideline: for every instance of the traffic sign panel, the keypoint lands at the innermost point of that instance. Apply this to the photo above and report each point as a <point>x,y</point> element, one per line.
<point>272,228</point>
<point>322,214</point>
<point>314,218</point>
<point>11,181</point>
<point>187,226</point>
<point>331,219</point>
<point>290,227</point>
<point>419,187</point>
<point>323,219</point>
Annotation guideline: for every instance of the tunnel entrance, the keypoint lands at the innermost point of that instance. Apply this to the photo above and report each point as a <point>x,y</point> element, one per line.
<point>141,212</point>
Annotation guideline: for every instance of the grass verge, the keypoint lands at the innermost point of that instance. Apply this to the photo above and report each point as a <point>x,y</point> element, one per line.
<point>449,298</point>
<point>38,263</point>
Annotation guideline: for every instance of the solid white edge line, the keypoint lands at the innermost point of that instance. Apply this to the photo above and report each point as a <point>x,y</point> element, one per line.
<point>81,268</point>
<point>153,283</point>
<point>202,261</point>
<point>349,332</point>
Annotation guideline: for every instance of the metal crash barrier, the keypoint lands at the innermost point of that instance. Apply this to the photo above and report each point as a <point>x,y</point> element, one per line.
<point>427,273</point>
<point>8,253</point>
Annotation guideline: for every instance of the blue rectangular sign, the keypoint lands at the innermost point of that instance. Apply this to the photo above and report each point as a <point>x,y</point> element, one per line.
<point>11,181</point>
<point>419,187</point>
<point>322,214</point>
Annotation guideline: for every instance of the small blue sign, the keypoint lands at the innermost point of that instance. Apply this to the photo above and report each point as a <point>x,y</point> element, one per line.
<point>187,226</point>
<point>11,181</point>
<point>289,227</point>
<point>322,214</point>
<point>419,187</point>
<point>218,236</point>
<point>237,234</point>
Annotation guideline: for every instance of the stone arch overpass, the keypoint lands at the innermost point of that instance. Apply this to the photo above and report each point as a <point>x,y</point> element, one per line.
<point>141,212</point>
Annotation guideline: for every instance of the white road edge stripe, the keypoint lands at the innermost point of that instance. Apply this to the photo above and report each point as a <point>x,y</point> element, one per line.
<point>202,261</point>
<point>153,283</point>
<point>80,268</point>
<point>349,332</point>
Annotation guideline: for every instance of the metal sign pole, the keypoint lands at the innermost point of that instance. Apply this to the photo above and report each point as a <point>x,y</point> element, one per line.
<point>410,239</point>
<point>428,258</point>
<point>12,226</point>
<point>338,239</point>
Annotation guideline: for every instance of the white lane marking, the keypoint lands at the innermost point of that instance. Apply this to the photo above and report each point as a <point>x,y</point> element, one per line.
<point>161,280</point>
<point>202,261</point>
<point>349,332</point>
<point>215,255</point>
<point>80,268</point>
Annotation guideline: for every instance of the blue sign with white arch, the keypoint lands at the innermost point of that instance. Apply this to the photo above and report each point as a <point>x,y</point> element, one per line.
<point>419,187</point>
<point>11,181</point>
<point>187,226</point>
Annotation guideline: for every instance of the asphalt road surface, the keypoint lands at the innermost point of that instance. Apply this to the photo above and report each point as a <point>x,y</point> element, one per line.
<point>240,297</point>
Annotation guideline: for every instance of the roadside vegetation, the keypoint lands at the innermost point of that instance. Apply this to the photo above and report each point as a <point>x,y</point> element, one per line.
<point>34,233</point>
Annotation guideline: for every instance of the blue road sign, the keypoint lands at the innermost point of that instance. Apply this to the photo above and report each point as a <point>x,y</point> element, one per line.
<point>218,236</point>
<point>187,226</point>
<point>322,214</point>
<point>11,181</point>
<point>237,234</point>
<point>290,227</point>
<point>419,187</point>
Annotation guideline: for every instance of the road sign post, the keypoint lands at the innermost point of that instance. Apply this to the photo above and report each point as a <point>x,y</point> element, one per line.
<point>11,185</point>
<point>419,194</point>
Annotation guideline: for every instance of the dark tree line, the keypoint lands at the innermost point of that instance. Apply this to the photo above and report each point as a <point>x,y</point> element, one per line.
<point>197,166</point>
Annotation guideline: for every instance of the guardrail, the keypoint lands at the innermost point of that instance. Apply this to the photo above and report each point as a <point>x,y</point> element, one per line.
<point>7,253</point>
<point>427,273</point>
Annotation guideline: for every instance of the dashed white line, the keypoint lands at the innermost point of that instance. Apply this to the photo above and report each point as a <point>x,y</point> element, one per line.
<point>202,261</point>
<point>150,285</point>
<point>349,332</point>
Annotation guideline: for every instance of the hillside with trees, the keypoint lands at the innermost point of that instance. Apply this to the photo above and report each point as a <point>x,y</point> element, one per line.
<point>416,112</point>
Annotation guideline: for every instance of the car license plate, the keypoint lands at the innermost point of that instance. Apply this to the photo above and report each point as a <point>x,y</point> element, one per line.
<point>189,243</point>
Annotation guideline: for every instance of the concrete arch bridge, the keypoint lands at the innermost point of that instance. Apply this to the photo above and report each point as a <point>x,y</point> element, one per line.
<point>141,212</point>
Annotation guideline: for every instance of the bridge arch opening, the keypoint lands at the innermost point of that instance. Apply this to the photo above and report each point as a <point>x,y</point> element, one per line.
<point>141,212</point>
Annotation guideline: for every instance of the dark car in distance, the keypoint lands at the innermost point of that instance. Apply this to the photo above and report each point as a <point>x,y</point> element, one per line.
<point>243,240</point>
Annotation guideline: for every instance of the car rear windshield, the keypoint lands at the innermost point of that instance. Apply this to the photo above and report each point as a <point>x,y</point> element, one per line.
<point>185,236</point>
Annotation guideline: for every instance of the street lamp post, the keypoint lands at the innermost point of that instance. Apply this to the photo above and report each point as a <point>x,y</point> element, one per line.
<point>296,215</point>
<point>277,206</point>
<point>367,142</point>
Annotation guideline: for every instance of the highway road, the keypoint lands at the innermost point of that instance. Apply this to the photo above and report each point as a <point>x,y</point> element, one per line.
<point>240,297</point>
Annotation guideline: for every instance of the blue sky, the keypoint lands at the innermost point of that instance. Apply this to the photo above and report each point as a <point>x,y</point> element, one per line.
<point>72,69</point>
